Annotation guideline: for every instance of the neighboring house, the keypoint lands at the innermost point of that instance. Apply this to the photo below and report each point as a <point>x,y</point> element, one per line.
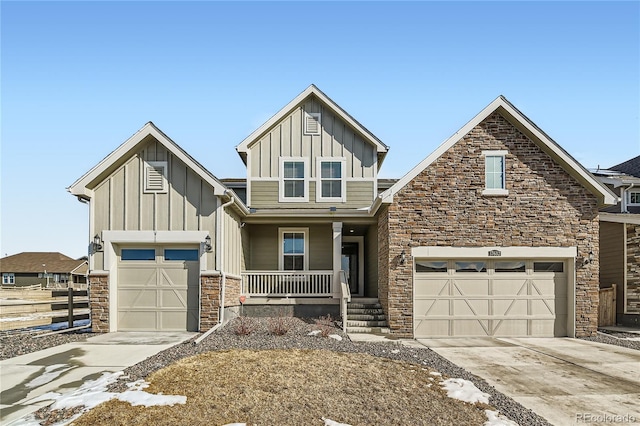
<point>42,268</point>
<point>620,239</point>
<point>496,233</point>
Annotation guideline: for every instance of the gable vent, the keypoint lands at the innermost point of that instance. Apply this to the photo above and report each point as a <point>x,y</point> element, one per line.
<point>312,123</point>
<point>155,173</point>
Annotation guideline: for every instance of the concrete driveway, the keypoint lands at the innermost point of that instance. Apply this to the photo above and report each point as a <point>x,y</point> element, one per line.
<point>566,381</point>
<point>66,367</point>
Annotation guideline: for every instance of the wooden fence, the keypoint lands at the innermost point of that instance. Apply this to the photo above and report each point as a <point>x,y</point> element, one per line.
<point>607,306</point>
<point>42,307</point>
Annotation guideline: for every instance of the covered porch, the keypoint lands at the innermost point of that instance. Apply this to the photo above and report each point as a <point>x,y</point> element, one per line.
<point>309,263</point>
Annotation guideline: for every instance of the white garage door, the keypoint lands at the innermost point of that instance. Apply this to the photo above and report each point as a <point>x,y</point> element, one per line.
<point>158,289</point>
<point>484,297</point>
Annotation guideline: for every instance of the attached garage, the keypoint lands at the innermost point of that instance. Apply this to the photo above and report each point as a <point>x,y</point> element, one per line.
<point>157,288</point>
<point>502,292</point>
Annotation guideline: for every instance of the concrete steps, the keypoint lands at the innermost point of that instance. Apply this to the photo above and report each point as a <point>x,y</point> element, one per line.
<point>365,315</point>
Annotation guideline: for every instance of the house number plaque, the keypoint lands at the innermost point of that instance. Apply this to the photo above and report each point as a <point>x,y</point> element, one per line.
<point>495,253</point>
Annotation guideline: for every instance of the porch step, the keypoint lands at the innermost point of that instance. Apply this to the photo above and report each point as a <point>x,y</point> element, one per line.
<point>365,315</point>
<point>369,330</point>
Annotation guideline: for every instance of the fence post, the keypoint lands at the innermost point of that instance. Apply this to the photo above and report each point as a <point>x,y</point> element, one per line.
<point>70,307</point>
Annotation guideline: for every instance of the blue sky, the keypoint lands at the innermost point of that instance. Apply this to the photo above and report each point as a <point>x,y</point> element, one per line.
<point>79,78</point>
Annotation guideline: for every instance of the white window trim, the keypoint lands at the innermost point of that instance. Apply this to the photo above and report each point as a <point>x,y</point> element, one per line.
<point>496,191</point>
<point>281,197</point>
<point>317,116</point>
<point>8,278</point>
<point>281,232</point>
<point>155,164</point>
<point>343,180</point>
<point>633,191</point>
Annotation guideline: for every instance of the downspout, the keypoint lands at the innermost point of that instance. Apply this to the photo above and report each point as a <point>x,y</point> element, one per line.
<point>223,275</point>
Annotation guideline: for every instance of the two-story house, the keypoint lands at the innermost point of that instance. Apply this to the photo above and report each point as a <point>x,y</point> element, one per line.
<point>495,233</point>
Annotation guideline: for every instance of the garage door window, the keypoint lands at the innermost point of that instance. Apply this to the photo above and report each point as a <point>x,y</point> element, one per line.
<point>426,266</point>
<point>181,254</point>
<point>510,266</point>
<point>138,254</point>
<point>471,266</point>
<point>548,266</point>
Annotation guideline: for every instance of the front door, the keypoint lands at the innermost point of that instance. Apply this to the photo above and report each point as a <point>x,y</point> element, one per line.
<point>352,264</point>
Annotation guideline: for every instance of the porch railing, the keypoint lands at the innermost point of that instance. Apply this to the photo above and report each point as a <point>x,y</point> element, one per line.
<point>345,297</point>
<point>287,283</point>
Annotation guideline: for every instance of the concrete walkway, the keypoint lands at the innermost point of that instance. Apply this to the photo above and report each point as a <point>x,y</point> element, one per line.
<point>566,381</point>
<point>26,377</point>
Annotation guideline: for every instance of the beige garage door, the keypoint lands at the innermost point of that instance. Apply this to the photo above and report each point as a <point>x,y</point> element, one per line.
<point>465,298</point>
<point>158,289</point>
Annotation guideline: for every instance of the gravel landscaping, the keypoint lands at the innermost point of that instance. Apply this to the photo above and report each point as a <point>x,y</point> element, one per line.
<point>263,334</point>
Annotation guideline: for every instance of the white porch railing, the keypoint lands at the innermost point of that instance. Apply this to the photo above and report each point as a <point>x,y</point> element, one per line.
<point>287,283</point>
<point>345,297</point>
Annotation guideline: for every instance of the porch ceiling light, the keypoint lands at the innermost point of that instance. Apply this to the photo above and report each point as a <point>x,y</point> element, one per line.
<point>207,244</point>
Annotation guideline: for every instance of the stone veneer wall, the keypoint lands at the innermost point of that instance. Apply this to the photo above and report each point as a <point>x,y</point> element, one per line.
<point>209,301</point>
<point>444,206</point>
<point>99,303</point>
<point>232,291</point>
<point>633,269</point>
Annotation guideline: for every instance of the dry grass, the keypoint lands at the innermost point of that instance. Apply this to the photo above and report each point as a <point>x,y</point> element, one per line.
<point>293,387</point>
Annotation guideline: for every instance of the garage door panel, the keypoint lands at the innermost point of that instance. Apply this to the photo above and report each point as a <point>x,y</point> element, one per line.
<point>509,287</point>
<point>471,306</point>
<point>130,276</point>
<point>137,320</point>
<point>173,320</point>
<point>432,287</point>
<point>506,307</point>
<point>137,297</point>
<point>432,307</point>
<point>543,307</point>
<point>511,327</point>
<point>432,328</point>
<point>471,287</point>
<point>173,298</point>
<point>471,327</point>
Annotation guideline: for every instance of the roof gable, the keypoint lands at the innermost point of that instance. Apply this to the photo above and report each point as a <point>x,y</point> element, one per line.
<point>527,127</point>
<point>84,185</point>
<point>310,91</point>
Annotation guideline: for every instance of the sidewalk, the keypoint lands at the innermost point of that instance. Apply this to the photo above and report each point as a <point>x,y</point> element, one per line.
<point>66,367</point>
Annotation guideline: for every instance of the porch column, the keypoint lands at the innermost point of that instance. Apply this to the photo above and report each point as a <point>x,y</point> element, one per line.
<point>337,257</point>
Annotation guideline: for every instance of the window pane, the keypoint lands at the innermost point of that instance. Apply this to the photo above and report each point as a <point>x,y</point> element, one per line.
<point>494,172</point>
<point>331,170</point>
<point>138,254</point>
<point>293,243</point>
<point>293,263</point>
<point>634,197</point>
<point>331,188</point>
<point>472,266</point>
<point>437,266</point>
<point>548,266</point>
<point>510,266</point>
<point>294,188</point>
<point>181,254</point>
<point>294,169</point>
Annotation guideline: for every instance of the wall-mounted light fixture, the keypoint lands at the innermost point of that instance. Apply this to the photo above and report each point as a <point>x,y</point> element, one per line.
<point>96,245</point>
<point>589,258</point>
<point>403,257</point>
<point>207,244</point>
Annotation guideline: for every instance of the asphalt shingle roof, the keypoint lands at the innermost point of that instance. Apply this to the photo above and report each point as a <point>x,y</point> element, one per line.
<point>630,167</point>
<point>27,262</point>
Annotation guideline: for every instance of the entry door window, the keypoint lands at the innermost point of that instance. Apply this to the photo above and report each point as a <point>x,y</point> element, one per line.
<point>294,248</point>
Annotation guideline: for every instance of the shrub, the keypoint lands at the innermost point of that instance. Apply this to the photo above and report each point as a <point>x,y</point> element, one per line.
<point>244,326</point>
<point>326,325</point>
<point>280,326</point>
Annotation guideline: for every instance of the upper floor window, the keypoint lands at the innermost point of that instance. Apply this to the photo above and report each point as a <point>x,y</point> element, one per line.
<point>634,197</point>
<point>494,173</point>
<point>8,279</point>
<point>331,183</point>
<point>294,179</point>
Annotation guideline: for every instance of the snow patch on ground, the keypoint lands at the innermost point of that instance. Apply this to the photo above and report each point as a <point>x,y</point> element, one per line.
<point>336,337</point>
<point>464,390</point>
<point>496,419</point>
<point>329,422</point>
<point>313,333</point>
<point>94,392</point>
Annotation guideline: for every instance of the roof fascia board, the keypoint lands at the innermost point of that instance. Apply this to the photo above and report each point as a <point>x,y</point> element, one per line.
<point>243,147</point>
<point>80,186</point>
<point>547,144</point>
<point>620,218</point>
